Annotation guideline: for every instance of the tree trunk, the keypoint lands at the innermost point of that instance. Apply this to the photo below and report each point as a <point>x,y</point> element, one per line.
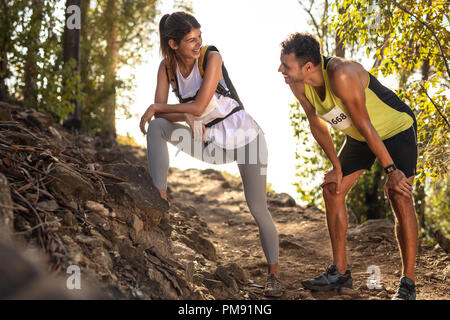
<point>30,75</point>
<point>84,39</point>
<point>72,51</point>
<point>112,49</point>
<point>4,46</point>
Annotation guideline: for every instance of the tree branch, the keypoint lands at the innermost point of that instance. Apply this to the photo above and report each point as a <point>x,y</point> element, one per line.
<point>436,106</point>
<point>432,32</point>
<point>312,17</point>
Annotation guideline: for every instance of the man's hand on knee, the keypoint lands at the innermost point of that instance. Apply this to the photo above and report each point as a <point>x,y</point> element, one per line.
<point>397,183</point>
<point>333,180</point>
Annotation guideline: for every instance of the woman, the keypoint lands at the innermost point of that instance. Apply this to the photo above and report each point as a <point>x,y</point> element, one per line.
<point>218,131</point>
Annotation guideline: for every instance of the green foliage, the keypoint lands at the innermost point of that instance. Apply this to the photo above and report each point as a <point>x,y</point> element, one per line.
<point>114,38</point>
<point>438,207</point>
<point>32,43</point>
<point>408,39</point>
<point>407,36</point>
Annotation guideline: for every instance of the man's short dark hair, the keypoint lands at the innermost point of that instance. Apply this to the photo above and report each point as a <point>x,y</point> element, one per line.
<point>305,47</point>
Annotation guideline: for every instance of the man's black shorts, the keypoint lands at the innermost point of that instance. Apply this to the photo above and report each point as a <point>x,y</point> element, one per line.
<point>356,155</point>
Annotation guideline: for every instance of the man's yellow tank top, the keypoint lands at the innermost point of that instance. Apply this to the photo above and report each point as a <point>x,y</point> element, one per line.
<point>388,114</point>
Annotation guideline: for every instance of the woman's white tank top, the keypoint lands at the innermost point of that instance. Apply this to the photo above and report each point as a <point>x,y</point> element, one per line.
<point>235,131</point>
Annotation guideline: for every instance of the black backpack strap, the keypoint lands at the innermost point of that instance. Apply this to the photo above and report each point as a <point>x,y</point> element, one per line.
<point>173,83</point>
<point>217,120</point>
<point>231,91</point>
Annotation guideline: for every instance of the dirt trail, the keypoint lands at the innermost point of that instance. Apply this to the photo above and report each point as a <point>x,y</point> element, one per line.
<point>304,243</point>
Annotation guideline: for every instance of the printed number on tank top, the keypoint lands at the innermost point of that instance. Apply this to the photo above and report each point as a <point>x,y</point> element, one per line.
<point>337,118</point>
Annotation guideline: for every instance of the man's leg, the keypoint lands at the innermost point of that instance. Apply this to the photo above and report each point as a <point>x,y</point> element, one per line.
<point>336,214</point>
<point>406,230</point>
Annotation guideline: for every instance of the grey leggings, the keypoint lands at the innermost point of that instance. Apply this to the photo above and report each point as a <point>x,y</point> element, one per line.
<point>252,164</point>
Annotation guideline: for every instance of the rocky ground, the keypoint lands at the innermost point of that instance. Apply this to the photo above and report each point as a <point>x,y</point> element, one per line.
<point>73,199</point>
<point>304,243</point>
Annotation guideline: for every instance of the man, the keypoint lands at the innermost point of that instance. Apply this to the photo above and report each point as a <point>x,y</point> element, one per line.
<point>377,124</point>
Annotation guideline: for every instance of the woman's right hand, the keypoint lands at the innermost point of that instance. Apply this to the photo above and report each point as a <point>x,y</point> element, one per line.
<point>197,127</point>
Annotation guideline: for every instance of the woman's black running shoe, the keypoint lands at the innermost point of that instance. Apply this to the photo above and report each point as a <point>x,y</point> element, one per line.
<point>329,280</point>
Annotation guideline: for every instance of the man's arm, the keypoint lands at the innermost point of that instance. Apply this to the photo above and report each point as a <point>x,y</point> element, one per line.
<point>346,84</point>
<point>319,130</point>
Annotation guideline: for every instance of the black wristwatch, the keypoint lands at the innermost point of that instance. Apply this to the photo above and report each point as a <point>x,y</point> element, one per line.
<point>390,168</point>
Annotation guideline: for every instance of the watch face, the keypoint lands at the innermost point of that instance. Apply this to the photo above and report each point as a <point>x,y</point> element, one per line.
<point>390,168</point>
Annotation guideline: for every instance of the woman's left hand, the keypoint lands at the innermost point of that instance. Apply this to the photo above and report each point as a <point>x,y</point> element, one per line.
<point>148,115</point>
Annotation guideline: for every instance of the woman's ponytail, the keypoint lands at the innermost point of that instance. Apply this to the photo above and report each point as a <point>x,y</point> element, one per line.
<point>163,39</point>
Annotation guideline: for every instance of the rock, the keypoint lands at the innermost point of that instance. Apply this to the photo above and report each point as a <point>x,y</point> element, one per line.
<point>233,222</point>
<point>23,139</point>
<point>216,288</point>
<point>225,185</point>
<point>109,155</point>
<point>198,279</point>
<point>376,229</point>
<point>39,119</point>
<point>50,205</point>
<point>138,193</point>
<point>213,174</point>
<point>306,295</point>
<point>52,224</point>
<point>288,244</point>
<point>182,252</point>
<point>101,256</point>
<point>446,272</point>
<point>137,224</point>
<point>100,222</point>
<point>281,200</point>
<point>99,209</point>
<point>199,244</point>
<point>70,185</point>
<point>5,113</point>
<point>90,241</point>
<point>375,238</point>
<point>223,274</point>
<point>443,241</point>
<point>239,274</point>
<point>189,271</point>
<point>348,292</point>
<point>24,278</point>
<point>55,133</point>
<point>346,297</point>
<point>6,205</point>
<point>69,219</point>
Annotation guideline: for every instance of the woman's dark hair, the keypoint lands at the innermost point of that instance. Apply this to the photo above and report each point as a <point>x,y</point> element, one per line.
<point>305,47</point>
<point>174,26</point>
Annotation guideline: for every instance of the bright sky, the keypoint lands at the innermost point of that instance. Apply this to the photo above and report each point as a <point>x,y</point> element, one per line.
<point>248,37</point>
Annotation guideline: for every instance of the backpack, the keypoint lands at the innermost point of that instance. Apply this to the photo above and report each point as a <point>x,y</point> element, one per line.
<point>230,92</point>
